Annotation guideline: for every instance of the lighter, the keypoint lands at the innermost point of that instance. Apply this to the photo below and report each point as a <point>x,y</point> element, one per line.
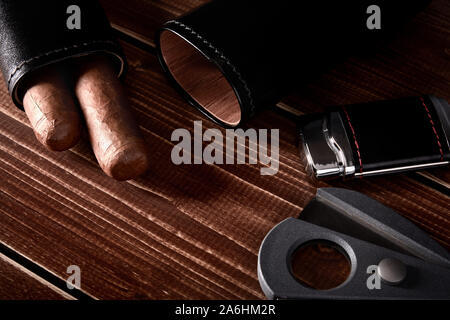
<point>377,138</point>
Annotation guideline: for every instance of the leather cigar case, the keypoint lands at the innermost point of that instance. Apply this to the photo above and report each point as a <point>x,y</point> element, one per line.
<point>377,138</point>
<point>34,34</point>
<point>230,58</point>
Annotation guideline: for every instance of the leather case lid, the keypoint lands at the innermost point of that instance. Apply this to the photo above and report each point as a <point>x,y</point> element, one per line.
<point>35,33</point>
<point>396,133</point>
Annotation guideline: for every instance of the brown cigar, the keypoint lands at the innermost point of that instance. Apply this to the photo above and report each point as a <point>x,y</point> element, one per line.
<point>50,107</point>
<point>115,137</point>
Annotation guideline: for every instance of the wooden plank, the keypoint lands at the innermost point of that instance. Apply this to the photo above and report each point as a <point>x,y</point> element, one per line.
<point>154,246</point>
<point>18,283</point>
<point>178,232</point>
<point>416,62</point>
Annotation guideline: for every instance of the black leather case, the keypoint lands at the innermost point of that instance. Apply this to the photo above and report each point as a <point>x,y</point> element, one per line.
<point>377,138</point>
<point>264,48</point>
<point>397,135</point>
<point>35,33</point>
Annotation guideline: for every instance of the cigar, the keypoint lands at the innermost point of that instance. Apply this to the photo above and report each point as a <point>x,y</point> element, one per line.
<point>50,106</point>
<point>115,137</point>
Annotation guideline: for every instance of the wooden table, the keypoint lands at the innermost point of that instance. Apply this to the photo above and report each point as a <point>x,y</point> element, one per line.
<point>194,231</point>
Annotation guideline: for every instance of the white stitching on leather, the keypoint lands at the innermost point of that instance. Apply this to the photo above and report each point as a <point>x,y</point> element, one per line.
<point>223,57</point>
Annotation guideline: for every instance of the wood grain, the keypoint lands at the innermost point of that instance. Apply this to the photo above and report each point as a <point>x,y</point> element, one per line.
<point>200,78</point>
<point>18,283</point>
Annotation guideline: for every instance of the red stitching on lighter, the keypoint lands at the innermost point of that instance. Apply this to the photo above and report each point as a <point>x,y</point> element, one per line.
<point>434,129</point>
<point>355,140</point>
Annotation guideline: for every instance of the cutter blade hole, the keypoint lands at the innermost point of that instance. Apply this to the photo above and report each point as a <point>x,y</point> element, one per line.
<point>320,265</point>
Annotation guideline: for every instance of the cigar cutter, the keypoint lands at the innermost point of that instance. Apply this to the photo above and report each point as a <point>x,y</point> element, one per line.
<point>409,264</point>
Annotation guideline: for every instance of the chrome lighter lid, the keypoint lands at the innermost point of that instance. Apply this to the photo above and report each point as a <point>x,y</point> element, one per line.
<point>326,147</point>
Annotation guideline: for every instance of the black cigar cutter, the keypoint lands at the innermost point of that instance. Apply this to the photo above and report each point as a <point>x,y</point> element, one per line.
<point>377,138</point>
<point>408,262</point>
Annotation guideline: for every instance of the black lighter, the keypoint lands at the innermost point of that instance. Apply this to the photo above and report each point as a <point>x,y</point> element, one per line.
<point>377,138</point>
